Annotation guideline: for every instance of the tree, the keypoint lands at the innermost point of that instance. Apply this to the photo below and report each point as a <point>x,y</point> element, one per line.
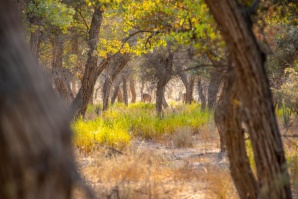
<point>112,72</point>
<point>92,70</point>
<point>35,137</point>
<point>60,78</point>
<point>255,98</point>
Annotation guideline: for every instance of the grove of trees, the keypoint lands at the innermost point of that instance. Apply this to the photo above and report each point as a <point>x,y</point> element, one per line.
<point>237,58</point>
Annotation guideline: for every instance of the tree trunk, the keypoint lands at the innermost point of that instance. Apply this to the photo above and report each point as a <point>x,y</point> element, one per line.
<point>59,76</point>
<point>159,97</point>
<point>188,83</point>
<point>213,88</point>
<point>119,64</point>
<point>115,93</point>
<point>35,137</point>
<point>120,96</point>
<point>35,39</point>
<point>92,71</point>
<point>124,88</point>
<point>201,95</point>
<point>132,89</point>
<point>255,97</point>
<point>228,120</point>
<point>189,90</point>
<point>106,94</point>
<point>164,77</point>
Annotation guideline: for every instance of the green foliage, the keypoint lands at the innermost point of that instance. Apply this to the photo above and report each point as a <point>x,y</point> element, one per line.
<point>52,12</point>
<point>118,124</point>
<point>182,22</point>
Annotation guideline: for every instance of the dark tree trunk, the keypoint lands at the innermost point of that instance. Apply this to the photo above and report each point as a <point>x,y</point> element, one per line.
<point>201,94</point>
<point>124,88</point>
<point>115,93</point>
<point>132,89</point>
<point>159,97</point>
<point>188,83</point>
<point>228,120</point>
<point>92,71</point>
<point>164,77</point>
<point>106,94</point>
<point>35,39</point>
<point>256,99</point>
<point>35,137</point>
<point>119,64</point>
<point>59,75</point>
<point>213,88</point>
<point>189,90</point>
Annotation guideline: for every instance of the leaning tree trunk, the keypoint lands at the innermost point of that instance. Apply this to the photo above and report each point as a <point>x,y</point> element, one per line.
<point>59,77</point>
<point>115,93</point>
<point>228,120</point>
<point>255,97</point>
<point>92,71</point>
<point>201,94</point>
<point>35,137</point>
<point>132,89</point>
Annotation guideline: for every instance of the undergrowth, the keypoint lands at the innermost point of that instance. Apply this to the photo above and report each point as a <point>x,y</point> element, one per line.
<point>120,123</point>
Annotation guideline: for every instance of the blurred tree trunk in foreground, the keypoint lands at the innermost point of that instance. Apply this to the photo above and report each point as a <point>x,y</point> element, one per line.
<point>255,99</point>
<point>35,137</point>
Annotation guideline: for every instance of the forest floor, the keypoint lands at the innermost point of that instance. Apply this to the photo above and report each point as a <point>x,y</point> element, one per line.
<point>158,169</point>
<point>182,165</point>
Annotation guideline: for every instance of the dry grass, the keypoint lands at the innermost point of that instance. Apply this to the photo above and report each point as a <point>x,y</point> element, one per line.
<point>182,137</point>
<point>139,173</point>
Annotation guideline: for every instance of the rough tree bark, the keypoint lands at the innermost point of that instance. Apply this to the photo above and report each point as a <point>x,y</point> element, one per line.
<point>35,137</point>
<point>201,94</point>
<point>228,119</point>
<point>59,76</point>
<point>255,97</point>
<point>92,71</point>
